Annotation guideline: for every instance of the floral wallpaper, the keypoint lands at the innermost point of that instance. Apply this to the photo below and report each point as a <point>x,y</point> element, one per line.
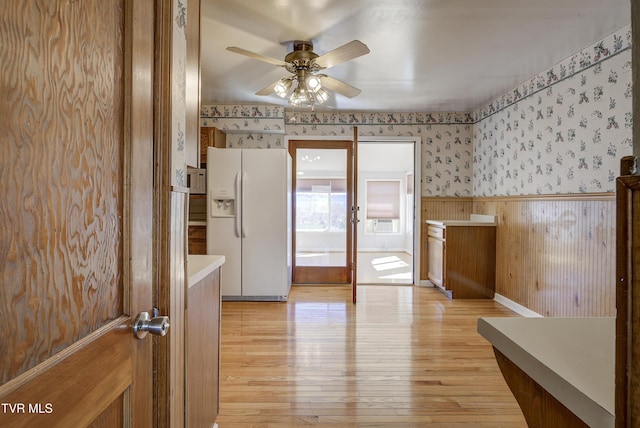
<point>446,141</point>
<point>178,94</point>
<point>563,131</point>
<point>247,126</point>
<point>446,138</point>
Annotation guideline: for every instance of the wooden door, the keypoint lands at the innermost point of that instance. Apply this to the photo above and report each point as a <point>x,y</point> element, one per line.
<point>76,177</point>
<point>321,211</point>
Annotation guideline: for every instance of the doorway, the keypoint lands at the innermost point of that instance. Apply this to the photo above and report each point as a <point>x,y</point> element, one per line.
<point>389,211</point>
<point>387,200</point>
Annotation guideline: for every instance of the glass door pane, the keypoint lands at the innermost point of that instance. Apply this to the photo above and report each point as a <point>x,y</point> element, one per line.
<point>321,211</point>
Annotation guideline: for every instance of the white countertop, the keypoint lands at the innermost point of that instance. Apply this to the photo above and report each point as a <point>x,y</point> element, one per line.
<point>201,265</point>
<point>459,223</point>
<point>572,358</point>
<point>474,220</point>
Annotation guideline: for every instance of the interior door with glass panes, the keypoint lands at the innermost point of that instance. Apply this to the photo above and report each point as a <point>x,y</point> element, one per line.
<point>322,200</point>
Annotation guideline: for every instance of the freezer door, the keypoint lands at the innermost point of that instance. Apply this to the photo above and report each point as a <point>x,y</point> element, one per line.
<point>264,225</point>
<point>223,180</point>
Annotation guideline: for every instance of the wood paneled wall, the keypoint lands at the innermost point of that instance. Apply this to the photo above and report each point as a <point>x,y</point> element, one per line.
<point>555,255</point>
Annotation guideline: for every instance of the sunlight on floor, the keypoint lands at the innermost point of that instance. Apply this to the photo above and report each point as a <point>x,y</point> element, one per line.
<point>373,267</point>
<point>386,263</point>
<point>385,268</point>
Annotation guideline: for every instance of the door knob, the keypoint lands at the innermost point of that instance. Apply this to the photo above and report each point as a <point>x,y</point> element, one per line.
<point>145,324</point>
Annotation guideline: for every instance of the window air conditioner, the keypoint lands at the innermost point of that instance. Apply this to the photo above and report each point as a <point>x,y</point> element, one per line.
<point>383,226</point>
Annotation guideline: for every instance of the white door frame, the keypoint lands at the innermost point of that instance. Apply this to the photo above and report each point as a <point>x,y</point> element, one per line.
<point>417,192</point>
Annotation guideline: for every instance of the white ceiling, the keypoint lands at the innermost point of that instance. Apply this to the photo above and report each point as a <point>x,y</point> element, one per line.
<point>426,55</point>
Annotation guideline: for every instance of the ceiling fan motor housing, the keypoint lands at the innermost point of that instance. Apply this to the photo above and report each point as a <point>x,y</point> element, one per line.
<point>302,57</point>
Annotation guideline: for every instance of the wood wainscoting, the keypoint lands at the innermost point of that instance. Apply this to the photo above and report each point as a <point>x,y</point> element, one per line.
<point>555,255</point>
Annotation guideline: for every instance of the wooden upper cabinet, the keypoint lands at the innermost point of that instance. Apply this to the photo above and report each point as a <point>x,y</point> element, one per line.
<point>210,137</point>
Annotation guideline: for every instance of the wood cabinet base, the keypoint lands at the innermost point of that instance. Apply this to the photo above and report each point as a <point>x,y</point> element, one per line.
<point>203,351</point>
<point>462,260</point>
<point>539,407</point>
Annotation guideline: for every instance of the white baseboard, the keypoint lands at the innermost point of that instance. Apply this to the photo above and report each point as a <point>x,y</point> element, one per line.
<point>516,307</point>
<point>510,304</point>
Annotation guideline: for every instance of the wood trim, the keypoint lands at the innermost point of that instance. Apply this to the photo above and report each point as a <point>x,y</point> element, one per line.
<point>321,275</point>
<point>603,196</point>
<point>138,191</point>
<point>446,199</point>
<point>635,70</point>
<point>632,407</point>
<point>354,216</point>
<point>170,239</point>
<point>627,306</point>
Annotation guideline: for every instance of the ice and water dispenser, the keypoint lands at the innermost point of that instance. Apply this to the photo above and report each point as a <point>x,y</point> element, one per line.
<point>223,202</point>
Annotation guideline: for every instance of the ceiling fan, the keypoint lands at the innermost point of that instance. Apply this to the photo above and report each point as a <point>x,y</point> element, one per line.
<point>306,87</point>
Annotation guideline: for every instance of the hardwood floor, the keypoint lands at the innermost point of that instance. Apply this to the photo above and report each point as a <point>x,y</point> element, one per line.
<point>403,356</point>
<point>383,267</point>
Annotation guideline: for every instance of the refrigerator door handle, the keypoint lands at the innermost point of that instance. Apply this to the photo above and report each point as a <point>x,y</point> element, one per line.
<point>244,191</point>
<point>236,216</point>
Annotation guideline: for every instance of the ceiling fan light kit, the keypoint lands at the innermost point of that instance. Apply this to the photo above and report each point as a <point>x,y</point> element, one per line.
<point>310,88</point>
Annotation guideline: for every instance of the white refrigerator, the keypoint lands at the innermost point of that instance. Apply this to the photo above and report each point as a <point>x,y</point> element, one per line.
<point>249,221</point>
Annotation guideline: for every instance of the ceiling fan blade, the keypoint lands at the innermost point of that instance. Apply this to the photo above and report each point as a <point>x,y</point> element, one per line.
<point>338,86</point>
<point>257,56</point>
<point>351,50</point>
<point>268,90</point>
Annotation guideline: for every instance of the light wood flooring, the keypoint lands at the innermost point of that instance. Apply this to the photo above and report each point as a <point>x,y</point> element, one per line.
<point>402,356</point>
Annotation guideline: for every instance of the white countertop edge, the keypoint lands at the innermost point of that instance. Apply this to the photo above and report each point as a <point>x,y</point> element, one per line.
<point>201,265</point>
<point>460,223</point>
<point>594,411</point>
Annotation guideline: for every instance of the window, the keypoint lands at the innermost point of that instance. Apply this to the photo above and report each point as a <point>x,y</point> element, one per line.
<point>321,204</point>
<point>382,206</point>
